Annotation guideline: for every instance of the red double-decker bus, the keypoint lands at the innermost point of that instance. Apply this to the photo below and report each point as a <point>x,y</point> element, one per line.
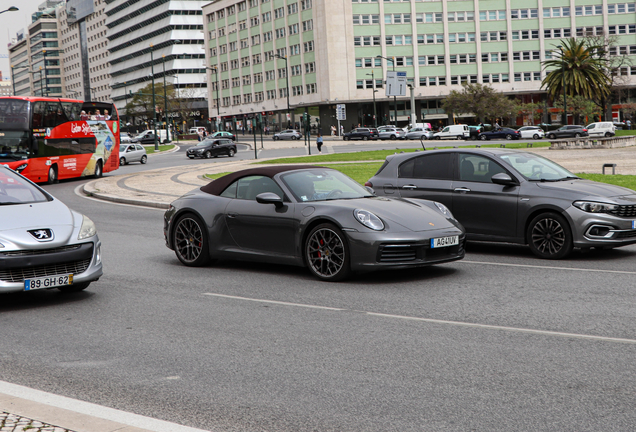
<point>48,139</point>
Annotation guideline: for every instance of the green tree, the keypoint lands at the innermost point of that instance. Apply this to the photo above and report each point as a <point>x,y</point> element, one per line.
<point>582,109</point>
<point>140,105</point>
<point>578,65</point>
<point>481,100</point>
<point>534,110</point>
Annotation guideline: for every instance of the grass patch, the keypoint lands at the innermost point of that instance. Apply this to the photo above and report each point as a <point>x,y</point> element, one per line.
<point>628,181</point>
<point>164,147</point>
<point>376,155</point>
<point>216,176</point>
<point>625,132</point>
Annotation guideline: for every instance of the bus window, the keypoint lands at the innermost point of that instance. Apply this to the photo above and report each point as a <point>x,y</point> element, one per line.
<point>39,109</point>
<point>72,110</point>
<point>54,115</point>
<point>87,145</point>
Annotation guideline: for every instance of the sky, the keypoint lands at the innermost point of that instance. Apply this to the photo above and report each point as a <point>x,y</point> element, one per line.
<point>10,23</point>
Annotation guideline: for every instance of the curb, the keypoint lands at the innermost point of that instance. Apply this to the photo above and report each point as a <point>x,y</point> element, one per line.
<point>89,190</point>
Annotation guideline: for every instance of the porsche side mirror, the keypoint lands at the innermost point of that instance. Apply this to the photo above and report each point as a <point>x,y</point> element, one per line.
<point>503,179</point>
<point>370,189</point>
<point>269,198</point>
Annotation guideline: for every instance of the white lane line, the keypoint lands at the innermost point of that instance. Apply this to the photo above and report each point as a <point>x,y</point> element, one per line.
<point>548,267</point>
<point>436,321</point>
<point>93,410</point>
<point>274,302</point>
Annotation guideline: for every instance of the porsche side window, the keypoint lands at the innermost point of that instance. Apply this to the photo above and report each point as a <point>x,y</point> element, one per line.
<point>230,191</point>
<point>259,185</point>
<point>436,166</point>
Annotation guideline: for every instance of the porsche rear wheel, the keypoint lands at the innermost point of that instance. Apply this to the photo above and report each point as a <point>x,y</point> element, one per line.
<point>327,253</point>
<point>190,241</point>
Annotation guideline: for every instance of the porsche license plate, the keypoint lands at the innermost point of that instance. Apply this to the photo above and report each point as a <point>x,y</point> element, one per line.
<point>444,241</point>
<point>48,282</point>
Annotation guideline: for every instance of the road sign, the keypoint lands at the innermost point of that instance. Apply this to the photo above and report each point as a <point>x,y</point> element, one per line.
<point>395,83</point>
<point>341,113</point>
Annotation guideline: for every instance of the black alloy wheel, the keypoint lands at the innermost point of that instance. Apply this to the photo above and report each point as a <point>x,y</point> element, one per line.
<point>327,253</point>
<point>346,138</point>
<point>144,159</point>
<point>231,152</point>
<point>549,236</point>
<point>483,138</point>
<point>508,137</point>
<point>551,136</point>
<point>52,179</point>
<point>122,161</point>
<point>364,138</point>
<point>577,135</point>
<point>190,241</point>
<point>207,154</point>
<point>392,137</point>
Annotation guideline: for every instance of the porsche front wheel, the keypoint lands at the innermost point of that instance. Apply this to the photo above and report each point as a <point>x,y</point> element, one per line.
<point>190,241</point>
<point>327,253</point>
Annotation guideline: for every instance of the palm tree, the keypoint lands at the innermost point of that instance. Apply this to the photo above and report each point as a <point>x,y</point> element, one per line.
<point>583,72</point>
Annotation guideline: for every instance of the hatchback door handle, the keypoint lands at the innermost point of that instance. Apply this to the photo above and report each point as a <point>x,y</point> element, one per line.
<point>462,189</point>
<point>409,187</point>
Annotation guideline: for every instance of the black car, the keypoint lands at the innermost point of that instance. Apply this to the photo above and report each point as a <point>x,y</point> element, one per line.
<point>361,133</point>
<point>309,216</point>
<point>475,131</point>
<point>145,138</point>
<point>516,197</point>
<point>501,133</point>
<point>570,131</point>
<point>212,148</point>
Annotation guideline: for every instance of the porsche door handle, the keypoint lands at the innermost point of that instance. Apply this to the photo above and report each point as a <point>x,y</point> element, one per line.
<point>232,215</point>
<point>409,187</point>
<point>461,189</point>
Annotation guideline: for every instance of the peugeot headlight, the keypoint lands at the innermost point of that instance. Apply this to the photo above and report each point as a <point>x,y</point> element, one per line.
<point>88,229</point>
<point>368,219</point>
<point>595,207</point>
<point>444,210</point>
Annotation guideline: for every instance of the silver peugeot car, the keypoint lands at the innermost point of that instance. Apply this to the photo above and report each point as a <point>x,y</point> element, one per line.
<point>43,243</point>
<point>514,196</point>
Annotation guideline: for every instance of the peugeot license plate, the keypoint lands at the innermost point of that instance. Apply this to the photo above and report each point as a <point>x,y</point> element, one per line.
<point>444,241</point>
<point>48,282</point>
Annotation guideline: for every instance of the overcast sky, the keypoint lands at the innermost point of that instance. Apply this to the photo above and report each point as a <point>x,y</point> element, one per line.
<point>10,23</point>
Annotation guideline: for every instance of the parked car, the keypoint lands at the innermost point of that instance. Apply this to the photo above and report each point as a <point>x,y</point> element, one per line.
<point>196,130</point>
<point>212,147</point>
<point>223,134</point>
<point>420,133</point>
<point>291,134</point>
<point>453,132</point>
<point>146,137</point>
<point>308,216</point>
<point>125,137</point>
<point>391,133</point>
<point>601,129</point>
<point>44,244</point>
<point>501,133</point>
<point>514,196</point>
<point>474,131</point>
<point>534,132</point>
<point>570,131</point>
<point>361,133</point>
<point>132,153</point>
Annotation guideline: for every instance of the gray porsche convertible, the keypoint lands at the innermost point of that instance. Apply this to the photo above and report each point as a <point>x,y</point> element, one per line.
<point>309,216</point>
<point>43,243</point>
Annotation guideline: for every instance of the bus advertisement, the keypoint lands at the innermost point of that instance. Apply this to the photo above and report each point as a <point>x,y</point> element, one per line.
<point>48,139</point>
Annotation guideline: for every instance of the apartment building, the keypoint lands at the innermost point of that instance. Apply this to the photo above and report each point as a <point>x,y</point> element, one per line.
<point>340,51</point>
<point>145,38</point>
<point>35,58</point>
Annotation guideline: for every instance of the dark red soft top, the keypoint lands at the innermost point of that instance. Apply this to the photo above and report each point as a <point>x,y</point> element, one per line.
<point>217,186</point>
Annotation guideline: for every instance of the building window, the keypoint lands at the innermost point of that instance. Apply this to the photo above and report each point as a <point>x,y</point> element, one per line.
<point>292,8</point>
<point>305,4</point>
<point>311,88</point>
<point>310,67</point>
<point>308,25</point>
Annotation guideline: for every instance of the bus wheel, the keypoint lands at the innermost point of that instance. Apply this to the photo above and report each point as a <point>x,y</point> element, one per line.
<point>98,169</point>
<point>52,175</point>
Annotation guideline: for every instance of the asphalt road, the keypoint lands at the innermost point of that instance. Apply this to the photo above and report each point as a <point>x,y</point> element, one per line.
<point>499,341</point>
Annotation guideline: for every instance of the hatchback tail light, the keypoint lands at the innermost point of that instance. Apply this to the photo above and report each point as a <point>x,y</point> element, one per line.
<point>584,130</point>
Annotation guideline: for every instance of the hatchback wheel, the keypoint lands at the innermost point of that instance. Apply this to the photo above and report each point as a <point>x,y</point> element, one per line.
<point>190,241</point>
<point>577,135</point>
<point>144,159</point>
<point>364,138</point>
<point>549,236</point>
<point>207,154</point>
<point>293,137</point>
<point>535,136</point>
<point>392,137</point>
<point>346,138</point>
<point>231,152</point>
<point>327,253</point>
<point>551,136</point>
<point>122,161</point>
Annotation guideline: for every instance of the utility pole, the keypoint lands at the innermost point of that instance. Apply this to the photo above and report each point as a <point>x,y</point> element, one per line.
<point>154,107</point>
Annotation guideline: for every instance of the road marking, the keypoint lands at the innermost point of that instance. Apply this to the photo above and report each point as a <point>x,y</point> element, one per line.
<point>549,267</point>
<point>37,397</point>
<point>436,321</point>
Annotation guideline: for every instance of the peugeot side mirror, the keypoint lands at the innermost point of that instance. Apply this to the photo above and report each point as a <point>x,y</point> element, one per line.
<point>269,198</point>
<point>503,179</point>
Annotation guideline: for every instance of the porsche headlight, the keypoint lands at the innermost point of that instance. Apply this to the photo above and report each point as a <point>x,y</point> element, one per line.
<point>88,229</point>
<point>368,219</point>
<point>444,210</point>
<point>595,207</point>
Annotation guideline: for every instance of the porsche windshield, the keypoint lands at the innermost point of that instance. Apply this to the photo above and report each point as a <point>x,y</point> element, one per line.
<point>14,189</point>
<point>320,185</point>
<point>536,168</point>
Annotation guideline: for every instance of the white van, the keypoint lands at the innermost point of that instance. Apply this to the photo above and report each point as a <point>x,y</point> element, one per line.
<point>195,130</point>
<point>458,131</point>
<point>601,129</point>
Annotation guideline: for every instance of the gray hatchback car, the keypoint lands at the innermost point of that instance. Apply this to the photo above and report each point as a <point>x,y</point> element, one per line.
<point>514,196</point>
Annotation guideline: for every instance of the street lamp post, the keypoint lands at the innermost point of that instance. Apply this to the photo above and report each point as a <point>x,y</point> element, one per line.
<point>165,97</point>
<point>392,59</point>
<point>565,107</point>
<point>287,84</point>
<point>218,107</point>
<point>11,9</point>
<point>46,81</point>
<point>154,109</point>
<point>375,114</point>
<point>41,88</point>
